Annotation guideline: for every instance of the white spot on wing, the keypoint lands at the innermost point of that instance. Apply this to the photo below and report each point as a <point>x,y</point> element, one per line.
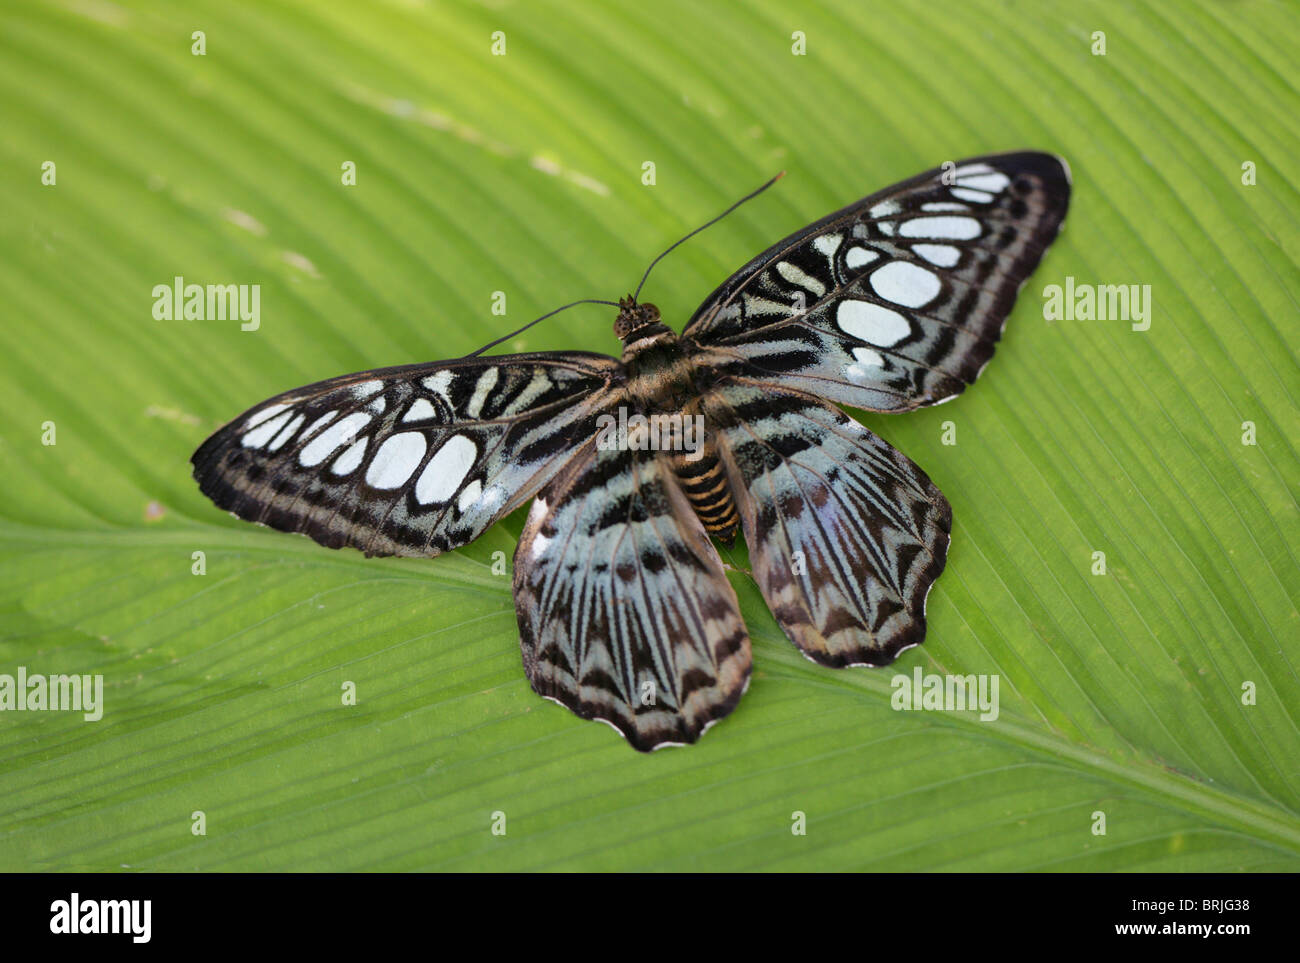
<point>905,283</point>
<point>439,382</point>
<point>871,322</point>
<point>469,496</point>
<point>420,410</point>
<point>365,389</point>
<point>264,432</point>
<point>396,459</point>
<point>340,433</point>
<point>535,515</point>
<point>532,391</point>
<point>827,244</point>
<point>289,430</point>
<point>941,255</point>
<point>486,382</point>
<point>319,423</point>
<point>755,305</point>
<point>350,459</point>
<point>994,182</point>
<point>797,276</point>
<point>868,357</point>
<point>948,228</point>
<point>885,209</point>
<point>262,415</point>
<point>979,197</point>
<point>944,206</point>
<point>446,470</point>
<point>859,256</point>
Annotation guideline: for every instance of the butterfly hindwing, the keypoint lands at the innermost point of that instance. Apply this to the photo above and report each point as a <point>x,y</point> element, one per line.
<point>846,535</point>
<point>897,301</point>
<point>625,614</point>
<point>413,460</point>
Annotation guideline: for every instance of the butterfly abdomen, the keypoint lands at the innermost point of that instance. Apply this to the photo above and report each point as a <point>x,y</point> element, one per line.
<point>705,484</point>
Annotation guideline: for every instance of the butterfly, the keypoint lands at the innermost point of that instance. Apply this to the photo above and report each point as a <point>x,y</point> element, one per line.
<point>625,612</point>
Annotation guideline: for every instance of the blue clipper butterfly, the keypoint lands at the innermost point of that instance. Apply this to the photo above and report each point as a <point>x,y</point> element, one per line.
<point>625,614</point>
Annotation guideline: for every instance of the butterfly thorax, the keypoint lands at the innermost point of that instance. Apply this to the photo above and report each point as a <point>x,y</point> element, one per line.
<point>663,381</point>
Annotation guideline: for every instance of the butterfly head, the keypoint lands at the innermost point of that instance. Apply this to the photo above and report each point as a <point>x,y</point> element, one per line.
<point>637,322</point>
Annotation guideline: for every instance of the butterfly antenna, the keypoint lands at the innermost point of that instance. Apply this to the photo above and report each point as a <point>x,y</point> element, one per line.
<point>493,344</point>
<point>748,197</point>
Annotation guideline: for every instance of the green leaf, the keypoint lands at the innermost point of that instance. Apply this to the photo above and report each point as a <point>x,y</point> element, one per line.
<point>1120,693</point>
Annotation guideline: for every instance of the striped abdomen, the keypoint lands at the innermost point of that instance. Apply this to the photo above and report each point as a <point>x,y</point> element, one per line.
<point>705,484</point>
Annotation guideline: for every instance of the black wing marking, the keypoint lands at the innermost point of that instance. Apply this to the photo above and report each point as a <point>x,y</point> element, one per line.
<point>846,535</point>
<point>412,460</point>
<point>625,614</point>
<point>897,301</point>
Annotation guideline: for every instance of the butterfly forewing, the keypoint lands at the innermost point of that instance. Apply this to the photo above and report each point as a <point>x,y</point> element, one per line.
<point>625,614</point>
<point>846,535</point>
<point>413,460</point>
<point>897,301</point>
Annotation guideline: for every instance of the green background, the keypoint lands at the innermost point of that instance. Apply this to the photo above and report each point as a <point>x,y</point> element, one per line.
<point>1120,693</point>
